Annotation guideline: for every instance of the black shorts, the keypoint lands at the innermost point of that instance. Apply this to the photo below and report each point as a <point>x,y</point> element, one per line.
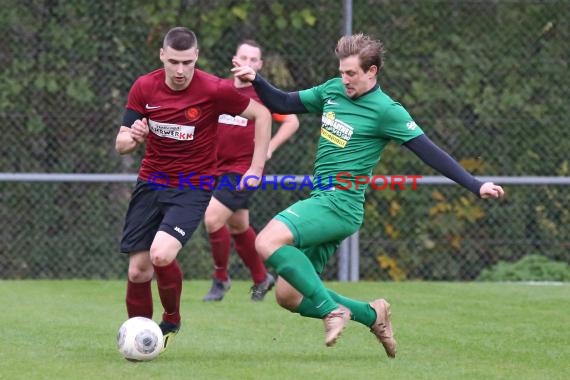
<point>174,211</point>
<point>227,194</point>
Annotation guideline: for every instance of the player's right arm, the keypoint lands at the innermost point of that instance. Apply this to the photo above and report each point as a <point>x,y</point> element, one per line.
<point>289,125</point>
<point>262,119</point>
<point>399,126</point>
<point>129,138</point>
<point>441,161</point>
<point>272,97</point>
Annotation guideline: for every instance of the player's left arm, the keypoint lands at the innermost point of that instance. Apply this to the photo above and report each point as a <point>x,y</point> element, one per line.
<point>262,119</point>
<point>132,133</point>
<point>289,125</point>
<point>441,161</point>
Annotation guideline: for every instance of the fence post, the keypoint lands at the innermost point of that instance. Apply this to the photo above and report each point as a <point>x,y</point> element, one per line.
<point>347,16</point>
<point>345,253</point>
<point>354,257</point>
<point>344,260</point>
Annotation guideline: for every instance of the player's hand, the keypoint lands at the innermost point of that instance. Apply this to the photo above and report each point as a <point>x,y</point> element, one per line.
<point>243,72</point>
<point>490,190</point>
<point>139,130</point>
<point>269,154</point>
<point>251,179</point>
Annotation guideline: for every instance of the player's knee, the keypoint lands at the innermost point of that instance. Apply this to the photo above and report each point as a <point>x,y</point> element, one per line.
<point>286,301</point>
<point>160,257</point>
<point>262,245</point>
<point>210,223</point>
<point>139,274</point>
<point>213,222</point>
<point>237,228</point>
<point>160,261</point>
<point>283,302</point>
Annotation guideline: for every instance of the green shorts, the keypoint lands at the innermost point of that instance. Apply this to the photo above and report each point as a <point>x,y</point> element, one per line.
<point>320,223</point>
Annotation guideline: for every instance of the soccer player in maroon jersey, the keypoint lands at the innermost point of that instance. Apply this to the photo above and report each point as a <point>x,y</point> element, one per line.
<point>173,112</point>
<point>227,215</point>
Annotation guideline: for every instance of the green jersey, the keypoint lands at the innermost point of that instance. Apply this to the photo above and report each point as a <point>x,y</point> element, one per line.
<point>354,132</point>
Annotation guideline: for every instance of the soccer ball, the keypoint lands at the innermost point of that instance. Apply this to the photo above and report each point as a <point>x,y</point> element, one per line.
<point>139,339</point>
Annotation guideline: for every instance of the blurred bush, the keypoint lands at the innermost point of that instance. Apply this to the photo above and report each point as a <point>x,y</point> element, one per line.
<point>529,268</point>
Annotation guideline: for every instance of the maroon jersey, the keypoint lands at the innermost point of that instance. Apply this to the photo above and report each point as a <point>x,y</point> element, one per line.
<point>183,124</point>
<point>236,138</point>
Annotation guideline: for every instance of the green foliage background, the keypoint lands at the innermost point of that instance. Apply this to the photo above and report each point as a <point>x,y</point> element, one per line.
<point>529,268</point>
<point>488,81</point>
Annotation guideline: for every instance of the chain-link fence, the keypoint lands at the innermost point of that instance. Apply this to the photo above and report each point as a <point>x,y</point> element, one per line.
<point>486,80</point>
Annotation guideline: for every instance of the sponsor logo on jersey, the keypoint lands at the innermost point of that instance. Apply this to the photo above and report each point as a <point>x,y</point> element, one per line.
<point>232,120</point>
<point>149,107</point>
<point>179,230</point>
<point>334,130</point>
<point>172,131</point>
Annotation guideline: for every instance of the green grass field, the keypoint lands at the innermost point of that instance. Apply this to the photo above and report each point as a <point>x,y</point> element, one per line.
<point>67,329</point>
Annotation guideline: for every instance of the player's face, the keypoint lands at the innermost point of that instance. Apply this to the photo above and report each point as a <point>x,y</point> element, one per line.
<point>248,55</point>
<point>179,66</point>
<point>355,80</point>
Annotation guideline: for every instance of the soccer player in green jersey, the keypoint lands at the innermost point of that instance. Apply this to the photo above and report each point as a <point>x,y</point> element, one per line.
<point>358,121</point>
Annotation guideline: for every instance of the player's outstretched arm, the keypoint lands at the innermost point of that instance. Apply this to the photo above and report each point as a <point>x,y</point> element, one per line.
<point>274,98</point>
<point>129,138</point>
<point>441,161</point>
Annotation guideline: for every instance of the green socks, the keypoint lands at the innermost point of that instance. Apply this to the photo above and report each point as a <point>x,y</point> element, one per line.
<point>361,312</point>
<point>292,264</point>
<point>296,268</point>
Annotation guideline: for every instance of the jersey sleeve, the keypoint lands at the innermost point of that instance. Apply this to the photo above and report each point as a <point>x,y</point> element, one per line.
<point>229,100</point>
<point>134,108</point>
<point>312,98</point>
<point>398,125</point>
<point>135,99</point>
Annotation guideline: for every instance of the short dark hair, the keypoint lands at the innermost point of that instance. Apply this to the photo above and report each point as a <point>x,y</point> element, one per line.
<point>250,42</point>
<point>180,38</point>
<point>369,51</point>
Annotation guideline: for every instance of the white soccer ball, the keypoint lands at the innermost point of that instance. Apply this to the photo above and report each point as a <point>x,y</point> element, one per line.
<point>139,339</point>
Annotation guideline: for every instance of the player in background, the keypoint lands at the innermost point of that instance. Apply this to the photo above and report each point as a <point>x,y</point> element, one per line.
<point>358,121</point>
<point>227,215</point>
<point>173,114</point>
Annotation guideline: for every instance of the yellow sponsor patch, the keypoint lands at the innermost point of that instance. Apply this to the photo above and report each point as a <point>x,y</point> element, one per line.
<point>332,138</point>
